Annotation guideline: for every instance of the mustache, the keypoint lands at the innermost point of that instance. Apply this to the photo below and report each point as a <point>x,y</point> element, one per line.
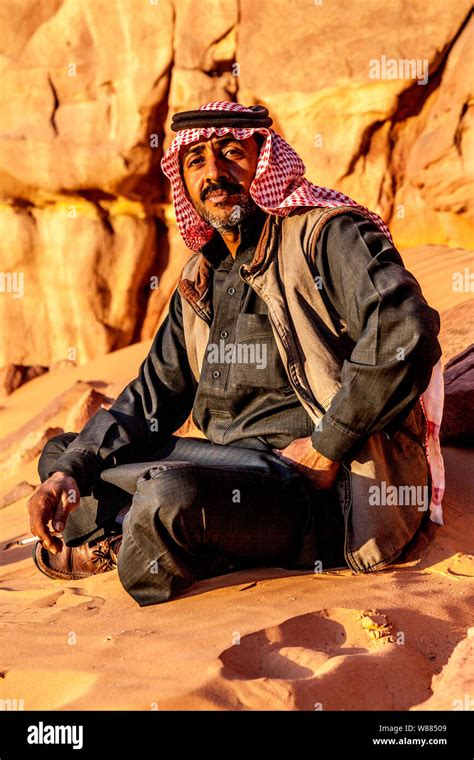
<point>229,187</point>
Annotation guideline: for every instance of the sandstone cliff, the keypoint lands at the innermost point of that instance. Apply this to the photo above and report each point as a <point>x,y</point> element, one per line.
<point>88,90</point>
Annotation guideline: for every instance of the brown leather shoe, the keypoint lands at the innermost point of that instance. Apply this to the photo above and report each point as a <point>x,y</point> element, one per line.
<point>75,562</point>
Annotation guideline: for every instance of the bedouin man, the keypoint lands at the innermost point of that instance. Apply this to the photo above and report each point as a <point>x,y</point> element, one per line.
<point>309,359</point>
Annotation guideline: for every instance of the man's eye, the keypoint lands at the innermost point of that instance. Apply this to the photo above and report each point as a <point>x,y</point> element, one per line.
<point>198,159</point>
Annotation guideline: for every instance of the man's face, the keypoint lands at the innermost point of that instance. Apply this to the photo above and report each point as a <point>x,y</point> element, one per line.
<point>217,174</point>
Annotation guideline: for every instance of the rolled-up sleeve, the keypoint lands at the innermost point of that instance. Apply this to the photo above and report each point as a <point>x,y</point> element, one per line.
<point>148,410</point>
<point>393,329</point>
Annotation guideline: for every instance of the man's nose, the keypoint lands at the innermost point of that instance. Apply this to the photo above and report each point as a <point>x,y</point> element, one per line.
<point>215,168</point>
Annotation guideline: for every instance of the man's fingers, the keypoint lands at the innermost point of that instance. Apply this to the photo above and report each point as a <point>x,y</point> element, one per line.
<point>321,479</point>
<point>61,513</point>
<point>283,456</point>
<point>69,500</point>
<point>53,501</point>
<point>39,508</point>
<point>55,545</point>
<point>40,529</point>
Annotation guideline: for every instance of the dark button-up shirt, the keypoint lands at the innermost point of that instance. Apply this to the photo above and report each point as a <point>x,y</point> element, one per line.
<point>393,329</point>
<point>244,391</point>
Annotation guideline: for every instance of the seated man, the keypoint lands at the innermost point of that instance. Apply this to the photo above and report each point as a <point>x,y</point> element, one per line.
<point>300,344</point>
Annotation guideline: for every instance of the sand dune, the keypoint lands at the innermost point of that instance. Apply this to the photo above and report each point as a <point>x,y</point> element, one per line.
<point>261,639</point>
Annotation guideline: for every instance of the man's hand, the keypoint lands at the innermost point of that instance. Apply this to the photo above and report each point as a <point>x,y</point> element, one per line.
<point>52,501</point>
<point>309,462</point>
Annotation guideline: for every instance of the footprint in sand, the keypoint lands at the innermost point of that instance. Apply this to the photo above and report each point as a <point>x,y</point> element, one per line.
<point>321,635</point>
<point>456,567</point>
<point>45,605</point>
<point>330,659</point>
<point>462,564</point>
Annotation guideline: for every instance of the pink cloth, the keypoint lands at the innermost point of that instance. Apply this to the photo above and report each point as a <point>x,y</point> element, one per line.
<point>279,185</point>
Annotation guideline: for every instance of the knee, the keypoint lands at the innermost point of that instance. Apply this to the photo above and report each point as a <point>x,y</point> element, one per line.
<point>185,524</point>
<point>171,499</point>
<point>52,450</point>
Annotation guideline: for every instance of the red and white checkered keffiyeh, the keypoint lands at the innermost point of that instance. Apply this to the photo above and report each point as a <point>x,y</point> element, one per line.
<point>278,186</point>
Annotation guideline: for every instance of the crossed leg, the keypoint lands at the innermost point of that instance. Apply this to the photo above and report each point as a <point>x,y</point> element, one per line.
<point>196,509</point>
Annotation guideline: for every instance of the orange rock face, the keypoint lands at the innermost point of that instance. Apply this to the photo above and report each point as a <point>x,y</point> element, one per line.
<point>376,102</point>
<point>90,255</point>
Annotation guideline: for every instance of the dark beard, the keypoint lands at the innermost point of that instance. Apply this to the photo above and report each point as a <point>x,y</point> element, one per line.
<point>244,207</point>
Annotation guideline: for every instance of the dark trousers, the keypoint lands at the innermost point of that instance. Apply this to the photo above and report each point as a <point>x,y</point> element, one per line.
<point>199,509</point>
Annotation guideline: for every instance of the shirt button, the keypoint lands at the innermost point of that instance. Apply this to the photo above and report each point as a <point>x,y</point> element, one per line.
<point>231,291</point>
<point>224,334</point>
<point>216,373</point>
